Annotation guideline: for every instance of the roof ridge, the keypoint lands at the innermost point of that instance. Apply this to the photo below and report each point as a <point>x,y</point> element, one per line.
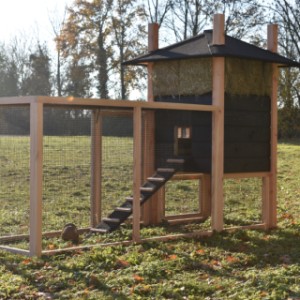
<point>201,46</point>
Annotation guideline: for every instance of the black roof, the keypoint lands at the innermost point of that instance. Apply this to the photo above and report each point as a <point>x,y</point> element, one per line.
<point>201,46</point>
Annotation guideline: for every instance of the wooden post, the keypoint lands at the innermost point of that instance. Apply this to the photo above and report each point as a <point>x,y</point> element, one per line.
<point>153,29</point>
<point>266,201</point>
<point>36,178</point>
<point>96,167</point>
<point>137,169</point>
<point>271,215</point>
<point>152,210</point>
<point>205,195</point>
<point>217,172</point>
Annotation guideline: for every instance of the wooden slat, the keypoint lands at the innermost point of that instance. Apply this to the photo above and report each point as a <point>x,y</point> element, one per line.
<point>260,226</point>
<point>36,177</point>
<point>187,176</point>
<point>184,220</point>
<point>124,209</point>
<point>111,220</point>
<point>96,167</point>
<point>16,250</point>
<point>48,234</point>
<point>246,175</point>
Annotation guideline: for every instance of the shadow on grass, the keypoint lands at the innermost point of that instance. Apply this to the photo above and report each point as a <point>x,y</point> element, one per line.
<point>48,278</point>
<point>276,247</point>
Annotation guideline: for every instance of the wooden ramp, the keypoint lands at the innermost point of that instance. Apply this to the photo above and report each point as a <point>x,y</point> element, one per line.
<point>148,189</point>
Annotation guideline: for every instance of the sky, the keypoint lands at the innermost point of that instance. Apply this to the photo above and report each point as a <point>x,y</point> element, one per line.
<point>30,17</point>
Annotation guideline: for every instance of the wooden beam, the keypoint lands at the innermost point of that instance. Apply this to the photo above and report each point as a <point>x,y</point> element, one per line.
<point>96,167</point>
<point>171,237</point>
<point>218,30</point>
<point>153,29</point>
<point>16,250</point>
<point>246,175</point>
<point>266,201</point>
<point>48,234</point>
<point>151,210</point>
<point>105,103</point>
<point>137,172</point>
<point>205,196</point>
<point>260,226</point>
<point>36,178</point>
<point>187,176</point>
<point>218,82</point>
<point>272,46</point>
<point>185,220</point>
<point>17,100</point>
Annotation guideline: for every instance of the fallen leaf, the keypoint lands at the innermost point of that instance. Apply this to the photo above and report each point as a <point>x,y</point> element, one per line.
<point>26,261</point>
<point>231,259</point>
<point>51,247</point>
<point>200,251</point>
<point>121,263</point>
<point>138,278</point>
<point>172,257</point>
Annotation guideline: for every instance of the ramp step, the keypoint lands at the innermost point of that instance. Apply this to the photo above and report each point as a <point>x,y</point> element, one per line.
<point>130,199</point>
<point>175,160</point>
<point>153,183</point>
<point>156,179</point>
<point>123,209</point>
<point>99,230</point>
<point>111,220</point>
<point>146,189</point>
<point>166,170</point>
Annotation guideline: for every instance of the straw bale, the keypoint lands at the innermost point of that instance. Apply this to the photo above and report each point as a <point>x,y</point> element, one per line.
<point>166,78</point>
<point>195,76</point>
<point>182,77</point>
<point>247,77</point>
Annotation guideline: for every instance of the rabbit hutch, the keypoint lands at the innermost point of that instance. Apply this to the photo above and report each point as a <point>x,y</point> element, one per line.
<point>211,114</point>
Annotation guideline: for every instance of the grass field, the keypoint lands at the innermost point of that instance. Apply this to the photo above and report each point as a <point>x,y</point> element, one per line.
<point>241,265</point>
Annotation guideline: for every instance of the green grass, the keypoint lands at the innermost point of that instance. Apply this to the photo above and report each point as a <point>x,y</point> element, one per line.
<point>240,265</point>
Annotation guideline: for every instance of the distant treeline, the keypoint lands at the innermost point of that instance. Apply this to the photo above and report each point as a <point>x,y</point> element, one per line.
<point>15,121</point>
<point>62,122</point>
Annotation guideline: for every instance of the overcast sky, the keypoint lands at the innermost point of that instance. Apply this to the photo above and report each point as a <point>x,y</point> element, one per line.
<point>29,17</point>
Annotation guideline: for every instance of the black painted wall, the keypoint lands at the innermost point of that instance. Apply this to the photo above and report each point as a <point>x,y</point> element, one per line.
<point>247,133</point>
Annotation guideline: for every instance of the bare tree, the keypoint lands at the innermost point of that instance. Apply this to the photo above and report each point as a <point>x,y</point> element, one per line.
<point>57,24</point>
<point>157,10</point>
<point>189,17</point>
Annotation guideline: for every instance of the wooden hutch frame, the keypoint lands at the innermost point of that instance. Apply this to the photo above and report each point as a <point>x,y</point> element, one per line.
<point>212,197</point>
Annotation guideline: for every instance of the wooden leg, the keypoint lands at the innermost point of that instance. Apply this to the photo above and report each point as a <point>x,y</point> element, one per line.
<point>36,178</point>
<point>205,196</point>
<point>96,162</point>
<point>137,168</point>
